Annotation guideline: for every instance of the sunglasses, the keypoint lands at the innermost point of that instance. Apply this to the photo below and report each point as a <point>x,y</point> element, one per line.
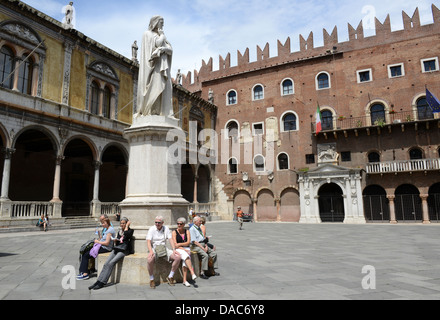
<point>180,224</point>
<point>158,222</point>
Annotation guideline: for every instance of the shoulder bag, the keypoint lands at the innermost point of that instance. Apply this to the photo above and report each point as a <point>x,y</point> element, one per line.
<point>161,249</point>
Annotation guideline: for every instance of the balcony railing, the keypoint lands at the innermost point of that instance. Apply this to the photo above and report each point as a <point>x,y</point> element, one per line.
<point>347,123</point>
<point>403,166</point>
<point>29,209</point>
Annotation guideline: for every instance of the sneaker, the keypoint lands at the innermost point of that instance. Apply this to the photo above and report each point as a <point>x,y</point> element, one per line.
<point>171,281</point>
<point>186,284</point>
<point>82,277</point>
<point>152,284</point>
<point>194,277</point>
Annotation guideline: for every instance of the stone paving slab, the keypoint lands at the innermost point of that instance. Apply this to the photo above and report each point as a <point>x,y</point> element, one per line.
<point>265,261</point>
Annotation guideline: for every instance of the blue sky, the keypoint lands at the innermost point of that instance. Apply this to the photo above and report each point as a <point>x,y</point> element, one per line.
<point>201,29</point>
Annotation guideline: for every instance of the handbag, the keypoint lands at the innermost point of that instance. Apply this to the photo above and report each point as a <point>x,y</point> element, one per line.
<point>121,246</point>
<point>161,249</point>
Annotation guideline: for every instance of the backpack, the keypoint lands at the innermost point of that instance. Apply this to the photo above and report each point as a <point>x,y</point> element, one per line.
<point>86,247</point>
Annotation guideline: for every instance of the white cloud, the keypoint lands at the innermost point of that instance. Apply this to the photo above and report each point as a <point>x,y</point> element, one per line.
<point>201,29</point>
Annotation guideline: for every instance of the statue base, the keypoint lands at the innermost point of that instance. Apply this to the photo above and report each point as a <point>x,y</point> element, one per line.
<point>153,183</point>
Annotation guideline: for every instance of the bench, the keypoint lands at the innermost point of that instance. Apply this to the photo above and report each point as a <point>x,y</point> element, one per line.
<point>133,269</point>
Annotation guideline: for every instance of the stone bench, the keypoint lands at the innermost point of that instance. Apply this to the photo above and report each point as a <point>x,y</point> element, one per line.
<point>133,269</point>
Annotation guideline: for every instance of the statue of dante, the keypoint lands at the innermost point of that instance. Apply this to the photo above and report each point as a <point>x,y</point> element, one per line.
<point>155,89</point>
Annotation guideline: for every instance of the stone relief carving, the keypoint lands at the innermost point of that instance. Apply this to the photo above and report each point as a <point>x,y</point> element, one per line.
<point>327,153</point>
<point>105,69</point>
<point>21,31</point>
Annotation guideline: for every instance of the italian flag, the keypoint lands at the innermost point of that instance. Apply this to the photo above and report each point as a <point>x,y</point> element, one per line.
<point>318,120</point>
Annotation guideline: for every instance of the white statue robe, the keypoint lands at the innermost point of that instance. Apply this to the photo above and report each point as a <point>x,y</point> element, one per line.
<point>155,90</point>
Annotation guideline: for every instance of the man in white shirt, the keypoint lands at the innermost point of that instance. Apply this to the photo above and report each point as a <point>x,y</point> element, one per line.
<point>198,245</point>
<point>157,235</point>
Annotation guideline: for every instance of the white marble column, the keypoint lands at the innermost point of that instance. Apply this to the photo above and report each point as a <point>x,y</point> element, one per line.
<point>6,173</point>
<point>97,166</point>
<point>57,178</point>
<point>96,204</point>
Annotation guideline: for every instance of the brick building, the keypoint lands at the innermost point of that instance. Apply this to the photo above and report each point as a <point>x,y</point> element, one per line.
<point>377,156</point>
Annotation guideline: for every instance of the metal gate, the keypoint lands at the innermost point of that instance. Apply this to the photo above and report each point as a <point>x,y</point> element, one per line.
<point>331,208</point>
<point>434,207</point>
<point>408,207</point>
<point>376,208</point>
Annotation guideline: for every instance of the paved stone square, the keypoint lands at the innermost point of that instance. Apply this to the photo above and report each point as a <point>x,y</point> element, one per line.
<point>265,261</point>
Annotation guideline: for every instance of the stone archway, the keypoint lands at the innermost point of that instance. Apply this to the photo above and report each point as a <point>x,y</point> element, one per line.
<point>77,178</point>
<point>266,207</point>
<point>289,205</point>
<point>324,188</point>
<point>33,167</point>
<point>113,175</point>
<point>408,204</point>
<point>376,204</point>
<point>331,203</point>
<point>243,199</point>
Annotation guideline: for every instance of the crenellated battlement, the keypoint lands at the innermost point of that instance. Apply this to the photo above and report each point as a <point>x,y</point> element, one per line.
<point>412,28</point>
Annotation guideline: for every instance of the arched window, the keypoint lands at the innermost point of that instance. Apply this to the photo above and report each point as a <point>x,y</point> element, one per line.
<point>287,87</point>
<point>232,97</point>
<point>232,166</point>
<point>106,108</point>
<point>283,161</point>
<point>424,111</point>
<point>259,163</point>
<point>415,154</point>
<point>377,113</point>
<point>232,128</point>
<point>326,120</point>
<point>6,68</point>
<point>323,81</point>
<point>95,98</point>
<point>25,76</point>
<point>373,157</point>
<point>289,122</point>
<point>258,92</point>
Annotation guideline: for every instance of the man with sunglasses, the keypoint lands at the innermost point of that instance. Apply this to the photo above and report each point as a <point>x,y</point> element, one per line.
<point>157,235</point>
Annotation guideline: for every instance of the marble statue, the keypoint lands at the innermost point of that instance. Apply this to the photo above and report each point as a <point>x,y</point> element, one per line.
<point>179,77</point>
<point>134,51</point>
<point>69,18</point>
<point>155,88</point>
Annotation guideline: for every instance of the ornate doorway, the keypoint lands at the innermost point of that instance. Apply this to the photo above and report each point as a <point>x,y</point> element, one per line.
<point>331,203</point>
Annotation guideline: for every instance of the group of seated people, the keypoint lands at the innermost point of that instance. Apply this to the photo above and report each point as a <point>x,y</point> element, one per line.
<point>181,241</point>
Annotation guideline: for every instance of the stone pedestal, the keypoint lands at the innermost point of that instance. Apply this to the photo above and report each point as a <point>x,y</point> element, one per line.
<point>154,177</point>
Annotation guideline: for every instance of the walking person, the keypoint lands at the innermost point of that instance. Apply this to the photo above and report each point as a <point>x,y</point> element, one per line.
<point>240,217</point>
